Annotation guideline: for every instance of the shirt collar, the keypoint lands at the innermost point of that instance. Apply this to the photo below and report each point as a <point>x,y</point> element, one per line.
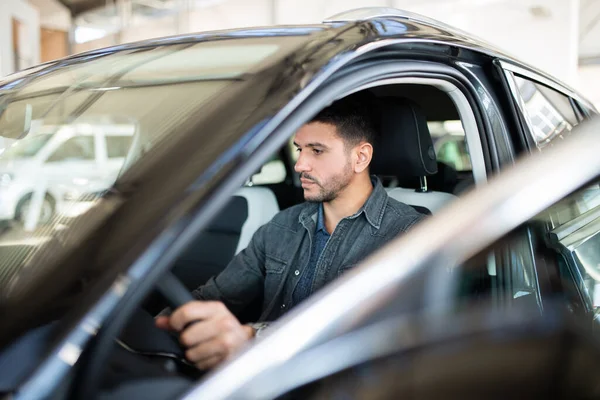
<point>321,220</point>
<point>373,208</point>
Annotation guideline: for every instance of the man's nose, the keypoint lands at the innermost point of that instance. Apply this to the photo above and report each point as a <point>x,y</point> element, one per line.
<point>301,164</point>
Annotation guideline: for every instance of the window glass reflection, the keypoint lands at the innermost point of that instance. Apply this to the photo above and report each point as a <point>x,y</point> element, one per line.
<point>548,112</point>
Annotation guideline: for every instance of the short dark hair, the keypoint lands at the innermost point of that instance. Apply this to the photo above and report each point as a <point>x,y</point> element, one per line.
<point>353,118</point>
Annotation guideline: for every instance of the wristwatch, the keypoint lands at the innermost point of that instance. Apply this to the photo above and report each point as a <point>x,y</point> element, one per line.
<point>259,328</point>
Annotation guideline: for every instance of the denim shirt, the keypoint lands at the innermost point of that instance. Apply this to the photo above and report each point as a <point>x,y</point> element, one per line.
<point>280,250</point>
<point>303,288</point>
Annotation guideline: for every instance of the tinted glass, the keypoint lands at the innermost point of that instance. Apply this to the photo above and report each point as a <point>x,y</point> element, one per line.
<point>548,112</point>
<point>136,100</point>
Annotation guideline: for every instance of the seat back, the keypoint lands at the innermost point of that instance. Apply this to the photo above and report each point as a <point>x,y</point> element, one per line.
<point>426,203</point>
<point>228,234</point>
<point>405,149</point>
<point>262,206</point>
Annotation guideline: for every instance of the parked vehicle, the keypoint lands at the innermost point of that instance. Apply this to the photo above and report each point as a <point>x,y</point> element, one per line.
<point>63,163</point>
<point>213,116</point>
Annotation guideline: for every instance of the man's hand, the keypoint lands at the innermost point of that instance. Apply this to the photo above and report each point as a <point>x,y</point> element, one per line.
<point>208,331</point>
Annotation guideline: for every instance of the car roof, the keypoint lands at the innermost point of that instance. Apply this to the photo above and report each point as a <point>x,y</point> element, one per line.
<point>383,20</point>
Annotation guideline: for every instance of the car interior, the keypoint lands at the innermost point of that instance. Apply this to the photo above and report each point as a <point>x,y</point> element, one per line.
<point>405,163</point>
<point>404,159</point>
<point>412,119</point>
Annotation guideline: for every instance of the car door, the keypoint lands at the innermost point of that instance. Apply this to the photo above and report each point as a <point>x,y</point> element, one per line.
<point>546,200</point>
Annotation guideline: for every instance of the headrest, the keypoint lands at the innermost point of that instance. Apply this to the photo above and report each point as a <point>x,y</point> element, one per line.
<point>404,146</point>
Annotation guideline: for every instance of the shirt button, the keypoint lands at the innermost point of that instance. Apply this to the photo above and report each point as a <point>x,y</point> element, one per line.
<point>296,272</point>
<point>283,306</point>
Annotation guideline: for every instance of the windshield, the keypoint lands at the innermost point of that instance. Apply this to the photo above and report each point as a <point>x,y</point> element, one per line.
<point>92,120</point>
<point>25,148</point>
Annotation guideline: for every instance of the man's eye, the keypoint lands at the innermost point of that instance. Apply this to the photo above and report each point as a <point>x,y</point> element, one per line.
<point>317,151</point>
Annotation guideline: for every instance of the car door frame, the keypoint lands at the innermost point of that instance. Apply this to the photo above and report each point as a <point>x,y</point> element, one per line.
<point>130,289</point>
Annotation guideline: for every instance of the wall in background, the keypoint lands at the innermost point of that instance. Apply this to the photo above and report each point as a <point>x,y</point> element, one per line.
<point>19,36</point>
<point>546,34</point>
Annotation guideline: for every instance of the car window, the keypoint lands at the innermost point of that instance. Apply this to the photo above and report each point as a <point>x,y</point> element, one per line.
<point>75,149</point>
<point>569,233</point>
<point>450,144</point>
<point>573,234</point>
<point>548,113</point>
<point>504,276</point>
<point>118,146</point>
<point>159,92</point>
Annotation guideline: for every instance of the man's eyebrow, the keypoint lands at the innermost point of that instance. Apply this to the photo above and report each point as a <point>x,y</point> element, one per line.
<point>316,144</point>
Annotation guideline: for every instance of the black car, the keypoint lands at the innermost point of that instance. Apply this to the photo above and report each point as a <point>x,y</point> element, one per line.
<point>210,161</point>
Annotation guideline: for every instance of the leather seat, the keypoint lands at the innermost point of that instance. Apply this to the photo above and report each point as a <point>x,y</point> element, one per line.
<point>403,150</point>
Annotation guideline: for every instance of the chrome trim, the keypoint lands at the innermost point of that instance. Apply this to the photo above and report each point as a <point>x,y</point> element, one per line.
<point>484,215</point>
<point>570,227</point>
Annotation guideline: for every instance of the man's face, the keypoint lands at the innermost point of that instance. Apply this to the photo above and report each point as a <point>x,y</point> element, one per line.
<point>324,164</point>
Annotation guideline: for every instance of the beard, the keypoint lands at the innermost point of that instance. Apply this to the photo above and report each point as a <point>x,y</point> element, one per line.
<point>328,190</point>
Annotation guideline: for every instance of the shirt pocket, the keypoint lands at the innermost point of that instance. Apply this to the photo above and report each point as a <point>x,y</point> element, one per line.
<point>274,277</point>
<point>274,265</point>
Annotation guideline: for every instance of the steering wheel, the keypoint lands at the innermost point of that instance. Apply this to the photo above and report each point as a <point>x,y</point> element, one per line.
<point>141,336</point>
<point>174,291</point>
<point>144,338</point>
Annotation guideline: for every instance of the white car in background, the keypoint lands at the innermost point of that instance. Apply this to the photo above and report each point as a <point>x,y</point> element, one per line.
<point>62,165</point>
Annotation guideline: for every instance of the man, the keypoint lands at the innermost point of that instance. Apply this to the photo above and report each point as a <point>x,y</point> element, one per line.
<point>347,215</point>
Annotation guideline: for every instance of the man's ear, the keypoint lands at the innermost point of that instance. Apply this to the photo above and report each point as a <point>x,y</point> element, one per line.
<point>364,154</point>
